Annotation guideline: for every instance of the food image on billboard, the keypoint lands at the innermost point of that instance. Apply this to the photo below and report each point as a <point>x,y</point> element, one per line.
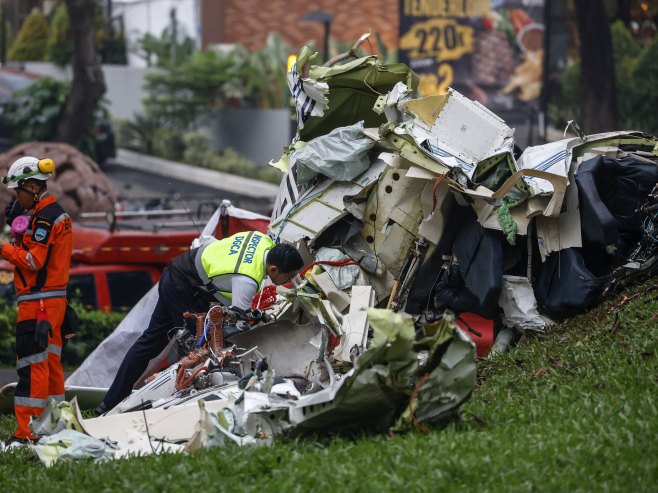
<point>491,51</point>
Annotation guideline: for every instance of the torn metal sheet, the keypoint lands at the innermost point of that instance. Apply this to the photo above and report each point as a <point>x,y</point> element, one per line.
<point>457,131</point>
<point>368,396</point>
<point>341,155</point>
<point>519,305</point>
<point>343,276</point>
<point>353,89</point>
<point>310,96</point>
<point>286,345</point>
<point>355,323</point>
<point>406,147</point>
<point>320,207</point>
<point>339,298</point>
<point>212,431</point>
<point>555,159</point>
<point>72,444</point>
<point>555,234</point>
<point>56,417</point>
<point>150,431</point>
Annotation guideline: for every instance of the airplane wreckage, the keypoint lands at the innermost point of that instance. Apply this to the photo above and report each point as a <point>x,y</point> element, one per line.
<point>430,238</point>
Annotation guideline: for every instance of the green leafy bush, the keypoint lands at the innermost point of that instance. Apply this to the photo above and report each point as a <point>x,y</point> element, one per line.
<point>32,40</point>
<point>34,113</point>
<point>94,328</point>
<point>198,153</point>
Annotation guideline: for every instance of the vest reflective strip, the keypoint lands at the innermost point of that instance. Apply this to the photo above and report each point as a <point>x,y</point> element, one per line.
<point>42,295</point>
<point>243,250</point>
<point>56,398</point>
<point>52,348</point>
<point>61,217</point>
<point>30,402</point>
<point>31,360</point>
<point>198,263</point>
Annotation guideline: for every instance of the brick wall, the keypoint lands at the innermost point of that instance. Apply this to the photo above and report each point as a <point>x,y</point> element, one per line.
<point>248,22</point>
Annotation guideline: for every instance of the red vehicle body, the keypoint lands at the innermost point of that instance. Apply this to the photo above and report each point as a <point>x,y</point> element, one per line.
<point>113,270</point>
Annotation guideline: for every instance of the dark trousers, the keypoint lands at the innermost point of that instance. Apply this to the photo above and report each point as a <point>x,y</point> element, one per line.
<point>167,315</point>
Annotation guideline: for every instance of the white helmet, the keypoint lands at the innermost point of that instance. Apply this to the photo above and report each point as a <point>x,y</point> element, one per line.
<point>28,167</point>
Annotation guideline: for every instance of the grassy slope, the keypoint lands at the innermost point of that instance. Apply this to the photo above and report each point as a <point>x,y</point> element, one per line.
<point>576,411</point>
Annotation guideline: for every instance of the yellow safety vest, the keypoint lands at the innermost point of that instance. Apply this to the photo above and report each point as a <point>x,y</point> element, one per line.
<point>241,253</point>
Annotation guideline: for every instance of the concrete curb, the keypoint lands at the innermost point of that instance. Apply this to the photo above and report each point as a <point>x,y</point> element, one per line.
<point>192,174</point>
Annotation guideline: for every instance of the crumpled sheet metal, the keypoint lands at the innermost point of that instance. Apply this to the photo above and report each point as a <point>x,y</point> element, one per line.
<point>372,394</point>
<point>57,416</point>
<point>353,89</point>
<point>340,155</point>
<point>555,158</point>
<point>72,444</point>
<point>449,128</point>
<point>519,305</point>
<point>343,276</point>
<point>320,207</point>
<point>310,96</point>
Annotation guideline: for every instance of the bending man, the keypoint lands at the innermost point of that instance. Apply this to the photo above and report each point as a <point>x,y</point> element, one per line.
<point>229,271</point>
<point>41,255</point>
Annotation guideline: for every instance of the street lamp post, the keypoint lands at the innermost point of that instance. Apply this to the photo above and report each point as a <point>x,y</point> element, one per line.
<point>325,18</point>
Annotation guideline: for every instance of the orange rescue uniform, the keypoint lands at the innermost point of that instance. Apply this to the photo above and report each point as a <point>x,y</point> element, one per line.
<point>42,257</point>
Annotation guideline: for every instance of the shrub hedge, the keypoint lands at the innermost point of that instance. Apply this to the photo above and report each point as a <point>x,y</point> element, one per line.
<point>94,327</point>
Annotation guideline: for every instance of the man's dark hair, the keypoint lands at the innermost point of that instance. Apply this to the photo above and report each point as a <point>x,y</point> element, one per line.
<point>41,183</point>
<point>285,257</point>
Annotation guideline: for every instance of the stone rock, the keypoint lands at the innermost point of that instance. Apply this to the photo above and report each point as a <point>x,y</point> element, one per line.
<point>78,183</point>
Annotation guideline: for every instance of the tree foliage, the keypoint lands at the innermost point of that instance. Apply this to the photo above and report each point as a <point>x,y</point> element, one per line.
<point>182,93</point>
<point>636,70</point>
<point>60,47</point>
<point>34,113</point>
<point>32,40</point>
<point>172,47</point>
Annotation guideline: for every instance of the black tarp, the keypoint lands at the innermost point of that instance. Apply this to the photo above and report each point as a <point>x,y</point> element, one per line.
<point>610,192</point>
<point>479,254</point>
<point>564,285</point>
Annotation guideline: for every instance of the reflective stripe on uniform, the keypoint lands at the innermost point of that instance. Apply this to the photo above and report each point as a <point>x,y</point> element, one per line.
<point>56,398</point>
<point>198,263</point>
<point>42,295</point>
<point>61,217</point>
<point>54,349</point>
<point>31,359</point>
<point>30,402</point>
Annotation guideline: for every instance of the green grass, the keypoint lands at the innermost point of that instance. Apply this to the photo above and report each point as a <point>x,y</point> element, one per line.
<point>573,411</point>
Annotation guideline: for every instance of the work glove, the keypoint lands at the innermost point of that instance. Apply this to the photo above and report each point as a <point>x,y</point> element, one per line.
<point>13,210</point>
<point>42,330</point>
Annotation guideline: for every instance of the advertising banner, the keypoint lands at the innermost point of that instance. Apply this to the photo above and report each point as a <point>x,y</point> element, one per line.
<point>489,50</point>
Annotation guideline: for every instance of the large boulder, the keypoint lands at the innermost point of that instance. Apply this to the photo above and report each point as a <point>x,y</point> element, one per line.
<point>78,182</point>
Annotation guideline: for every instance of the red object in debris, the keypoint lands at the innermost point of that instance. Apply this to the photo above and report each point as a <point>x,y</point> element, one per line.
<point>479,329</point>
<point>265,298</point>
<point>239,220</point>
<point>98,246</point>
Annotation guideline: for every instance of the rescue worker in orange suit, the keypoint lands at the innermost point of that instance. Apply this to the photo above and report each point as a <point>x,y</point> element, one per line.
<point>41,254</point>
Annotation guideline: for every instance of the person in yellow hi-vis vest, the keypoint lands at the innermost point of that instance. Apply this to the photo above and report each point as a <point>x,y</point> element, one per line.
<point>230,271</point>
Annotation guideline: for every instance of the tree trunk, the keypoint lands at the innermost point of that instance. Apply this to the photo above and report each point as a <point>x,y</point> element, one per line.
<point>88,84</point>
<point>624,11</point>
<point>597,77</point>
